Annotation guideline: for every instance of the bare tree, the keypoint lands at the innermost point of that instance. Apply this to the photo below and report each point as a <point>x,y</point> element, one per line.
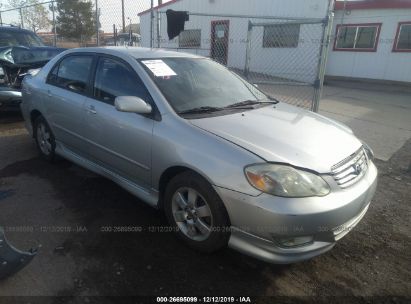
<point>34,15</point>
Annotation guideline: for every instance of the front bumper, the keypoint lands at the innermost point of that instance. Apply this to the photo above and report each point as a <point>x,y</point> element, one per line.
<point>12,260</point>
<point>258,223</point>
<point>10,99</point>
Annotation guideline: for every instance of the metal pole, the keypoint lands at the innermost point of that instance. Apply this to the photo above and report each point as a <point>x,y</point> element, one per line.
<point>158,28</point>
<point>21,18</point>
<point>322,62</point>
<point>151,24</point>
<point>115,34</point>
<point>97,24</point>
<point>123,16</point>
<point>130,33</point>
<point>160,2</point>
<point>54,25</point>
<point>248,50</point>
<point>1,19</point>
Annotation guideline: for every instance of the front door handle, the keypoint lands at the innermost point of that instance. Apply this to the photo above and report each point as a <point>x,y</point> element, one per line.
<point>91,110</point>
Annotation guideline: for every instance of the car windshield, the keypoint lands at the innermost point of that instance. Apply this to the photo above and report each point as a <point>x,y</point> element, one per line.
<point>16,38</point>
<point>200,83</point>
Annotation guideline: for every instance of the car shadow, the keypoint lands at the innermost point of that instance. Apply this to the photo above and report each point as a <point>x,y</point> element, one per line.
<point>9,117</point>
<point>126,248</point>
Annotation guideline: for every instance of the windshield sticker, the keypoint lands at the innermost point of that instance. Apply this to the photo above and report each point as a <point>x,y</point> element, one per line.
<point>159,68</point>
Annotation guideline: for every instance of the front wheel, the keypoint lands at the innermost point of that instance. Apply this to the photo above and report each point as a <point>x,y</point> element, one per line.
<point>196,212</point>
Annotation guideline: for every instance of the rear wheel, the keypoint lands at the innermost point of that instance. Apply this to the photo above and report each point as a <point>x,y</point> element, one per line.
<point>45,140</point>
<point>196,212</point>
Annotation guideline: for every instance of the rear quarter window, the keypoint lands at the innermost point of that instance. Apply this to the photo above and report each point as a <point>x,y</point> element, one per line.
<point>72,73</point>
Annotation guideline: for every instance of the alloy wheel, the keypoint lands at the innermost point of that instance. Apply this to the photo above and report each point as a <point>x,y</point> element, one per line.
<point>44,139</point>
<point>192,214</point>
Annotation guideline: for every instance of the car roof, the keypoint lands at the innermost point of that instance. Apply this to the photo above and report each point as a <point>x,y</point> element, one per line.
<point>13,29</point>
<point>136,52</point>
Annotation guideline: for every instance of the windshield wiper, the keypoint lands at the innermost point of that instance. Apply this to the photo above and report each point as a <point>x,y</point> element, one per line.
<point>201,110</point>
<point>250,103</point>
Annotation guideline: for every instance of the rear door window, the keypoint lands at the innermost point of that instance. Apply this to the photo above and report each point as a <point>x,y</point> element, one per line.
<point>72,73</point>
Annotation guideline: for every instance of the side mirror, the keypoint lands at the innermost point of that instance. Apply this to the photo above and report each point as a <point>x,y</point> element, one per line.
<point>132,104</point>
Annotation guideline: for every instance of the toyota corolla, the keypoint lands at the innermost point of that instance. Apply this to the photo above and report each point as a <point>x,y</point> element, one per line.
<point>228,164</point>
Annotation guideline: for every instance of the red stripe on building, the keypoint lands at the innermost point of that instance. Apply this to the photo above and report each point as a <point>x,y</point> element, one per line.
<point>372,4</point>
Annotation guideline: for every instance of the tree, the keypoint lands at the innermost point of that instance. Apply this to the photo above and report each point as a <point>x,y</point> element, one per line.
<point>75,19</point>
<point>34,16</point>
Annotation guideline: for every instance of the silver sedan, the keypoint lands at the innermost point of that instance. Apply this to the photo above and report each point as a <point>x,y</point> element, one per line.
<point>228,164</point>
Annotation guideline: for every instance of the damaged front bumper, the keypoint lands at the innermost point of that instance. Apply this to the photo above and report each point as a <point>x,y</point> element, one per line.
<point>15,63</point>
<point>12,260</point>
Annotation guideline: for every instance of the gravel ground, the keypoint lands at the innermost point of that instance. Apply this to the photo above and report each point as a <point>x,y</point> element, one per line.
<point>372,262</point>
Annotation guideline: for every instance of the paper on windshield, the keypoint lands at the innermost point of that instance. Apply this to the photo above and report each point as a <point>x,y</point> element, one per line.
<point>159,68</point>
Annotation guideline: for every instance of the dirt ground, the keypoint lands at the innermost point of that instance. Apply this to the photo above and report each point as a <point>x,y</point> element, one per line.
<point>65,210</point>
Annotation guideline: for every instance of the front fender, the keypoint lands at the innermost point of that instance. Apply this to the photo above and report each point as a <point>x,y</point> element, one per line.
<point>178,143</point>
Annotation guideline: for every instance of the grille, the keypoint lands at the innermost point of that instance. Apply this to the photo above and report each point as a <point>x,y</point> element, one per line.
<point>350,170</point>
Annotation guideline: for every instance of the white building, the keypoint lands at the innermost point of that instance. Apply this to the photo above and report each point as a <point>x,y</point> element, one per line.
<point>374,40</point>
<point>220,31</point>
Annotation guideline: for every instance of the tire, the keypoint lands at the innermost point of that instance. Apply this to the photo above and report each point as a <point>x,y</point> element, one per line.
<point>45,140</point>
<point>196,213</point>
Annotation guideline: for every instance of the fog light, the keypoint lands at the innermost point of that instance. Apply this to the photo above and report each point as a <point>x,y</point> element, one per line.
<point>295,242</point>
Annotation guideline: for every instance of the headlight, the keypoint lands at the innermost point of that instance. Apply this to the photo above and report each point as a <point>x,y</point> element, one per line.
<point>368,151</point>
<point>33,72</point>
<point>9,56</point>
<point>286,181</point>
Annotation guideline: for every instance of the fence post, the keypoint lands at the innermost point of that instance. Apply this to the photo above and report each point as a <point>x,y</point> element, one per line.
<point>97,25</point>
<point>21,18</point>
<point>158,28</point>
<point>123,16</point>
<point>151,24</point>
<point>323,56</point>
<point>54,24</point>
<point>115,34</point>
<point>248,50</point>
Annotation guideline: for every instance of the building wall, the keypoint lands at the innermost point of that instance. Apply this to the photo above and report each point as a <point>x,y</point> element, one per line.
<point>293,63</point>
<point>384,64</point>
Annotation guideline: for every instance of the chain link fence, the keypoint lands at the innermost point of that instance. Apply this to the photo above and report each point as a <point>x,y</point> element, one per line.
<point>105,22</point>
<point>120,22</point>
<point>284,57</point>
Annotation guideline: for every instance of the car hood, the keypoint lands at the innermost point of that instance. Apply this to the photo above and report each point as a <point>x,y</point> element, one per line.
<point>286,134</point>
<point>33,57</point>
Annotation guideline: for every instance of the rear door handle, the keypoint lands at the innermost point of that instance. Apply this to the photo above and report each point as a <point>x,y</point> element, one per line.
<point>91,110</point>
